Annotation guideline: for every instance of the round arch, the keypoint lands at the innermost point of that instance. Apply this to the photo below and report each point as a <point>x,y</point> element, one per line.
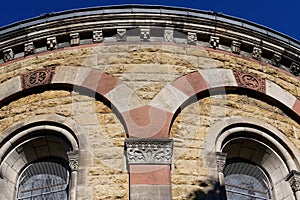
<point>240,137</point>
<point>34,140</point>
<point>185,89</point>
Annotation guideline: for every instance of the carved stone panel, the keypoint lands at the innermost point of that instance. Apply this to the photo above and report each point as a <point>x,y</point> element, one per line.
<point>8,55</point>
<point>250,80</point>
<point>236,47</point>
<point>168,35</point>
<point>214,42</point>
<point>51,43</point>
<point>74,39</point>
<point>97,36</point>
<point>192,38</point>
<point>121,35</point>
<point>29,49</point>
<point>149,151</point>
<point>73,157</point>
<point>145,34</point>
<point>256,53</point>
<point>38,77</point>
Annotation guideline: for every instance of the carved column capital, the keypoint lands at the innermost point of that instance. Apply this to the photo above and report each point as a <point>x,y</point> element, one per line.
<point>221,161</point>
<point>294,179</point>
<point>73,157</point>
<point>149,151</point>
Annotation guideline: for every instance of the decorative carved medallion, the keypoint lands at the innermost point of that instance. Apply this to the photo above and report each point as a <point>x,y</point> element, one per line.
<point>121,35</point>
<point>51,43</point>
<point>256,53</point>
<point>214,42</point>
<point>8,55</point>
<point>97,36</point>
<point>236,47</point>
<point>249,80</point>
<point>294,179</point>
<point>29,49</point>
<point>145,34</point>
<point>38,77</point>
<point>149,151</point>
<point>168,35</point>
<point>192,38</point>
<point>74,39</point>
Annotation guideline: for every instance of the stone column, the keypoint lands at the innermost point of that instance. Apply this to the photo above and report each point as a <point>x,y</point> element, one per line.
<point>221,162</point>
<point>73,163</point>
<point>294,179</point>
<point>149,164</point>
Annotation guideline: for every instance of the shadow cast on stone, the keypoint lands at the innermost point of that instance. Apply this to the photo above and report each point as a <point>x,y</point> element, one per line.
<point>216,192</point>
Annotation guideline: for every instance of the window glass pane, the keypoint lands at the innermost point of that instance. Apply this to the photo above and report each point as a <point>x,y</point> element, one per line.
<point>245,181</point>
<point>43,181</point>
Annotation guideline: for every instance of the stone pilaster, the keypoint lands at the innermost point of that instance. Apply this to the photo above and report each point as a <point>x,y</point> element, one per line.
<point>149,163</point>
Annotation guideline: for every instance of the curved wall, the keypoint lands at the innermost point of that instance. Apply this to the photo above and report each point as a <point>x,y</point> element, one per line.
<point>171,79</point>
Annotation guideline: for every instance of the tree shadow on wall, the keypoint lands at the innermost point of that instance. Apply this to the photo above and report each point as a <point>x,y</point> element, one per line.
<point>216,192</point>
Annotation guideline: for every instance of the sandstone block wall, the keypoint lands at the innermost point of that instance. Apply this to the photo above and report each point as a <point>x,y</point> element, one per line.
<point>145,70</point>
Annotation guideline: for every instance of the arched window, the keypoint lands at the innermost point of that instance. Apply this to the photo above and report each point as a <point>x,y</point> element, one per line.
<point>253,170</point>
<point>43,180</point>
<point>40,162</point>
<point>246,181</point>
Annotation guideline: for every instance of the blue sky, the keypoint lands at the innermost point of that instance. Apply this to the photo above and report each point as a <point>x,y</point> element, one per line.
<point>282,16</point>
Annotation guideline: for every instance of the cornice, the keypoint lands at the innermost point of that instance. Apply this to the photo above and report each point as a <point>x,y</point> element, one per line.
<point>207,28</point>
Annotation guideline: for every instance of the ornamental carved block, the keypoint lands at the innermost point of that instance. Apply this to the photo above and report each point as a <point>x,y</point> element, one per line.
<point>121,35</point>
<point>168,35</point>
<point>250,80</point>
<point>149,151</point>
<point>51,43</point>
<point>38,77</point>
<point>214,42</point>
<point>294,179</point>
<point>74,39</point>
<point>236,47</point>
<point>145,34</point>
<point>192,38</point>
<point>256,53</point>
<point>221,161</point>
<point>97,36</point>
<point>295,69</point>
<point>73,157</point>
<point>29,49</point>
<point>8,55</point>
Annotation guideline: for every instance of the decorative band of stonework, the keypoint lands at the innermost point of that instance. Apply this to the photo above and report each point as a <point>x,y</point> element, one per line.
<point>149,151</point>
<point>38,77</point>
<point>294,179</point>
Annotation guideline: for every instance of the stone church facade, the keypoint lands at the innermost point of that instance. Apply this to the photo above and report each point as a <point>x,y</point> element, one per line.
<point>148,102</point>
